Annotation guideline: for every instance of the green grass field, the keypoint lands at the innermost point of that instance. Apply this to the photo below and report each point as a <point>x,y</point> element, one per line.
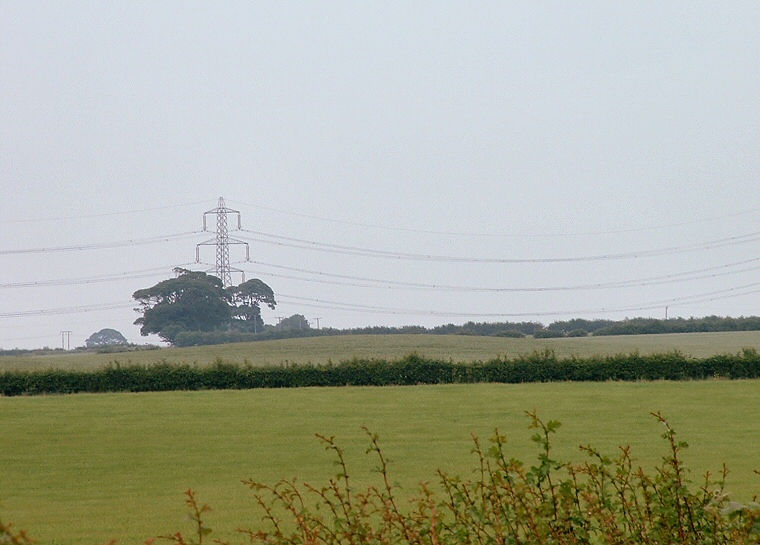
<point>448,347</point>
<point>87,468</point>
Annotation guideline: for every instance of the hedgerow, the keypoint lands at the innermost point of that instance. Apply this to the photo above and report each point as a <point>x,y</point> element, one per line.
<point>568,328</point>
<point>413,369</point>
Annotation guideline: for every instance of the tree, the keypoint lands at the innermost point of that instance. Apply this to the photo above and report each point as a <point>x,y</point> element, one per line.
<point>297,321</point>
<point>105,337</point>
<point>247,299</point>
<point>193,301</point>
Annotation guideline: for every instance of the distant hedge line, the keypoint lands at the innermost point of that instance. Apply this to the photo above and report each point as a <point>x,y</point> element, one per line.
<point>576,327</point>
<point>412,369</point>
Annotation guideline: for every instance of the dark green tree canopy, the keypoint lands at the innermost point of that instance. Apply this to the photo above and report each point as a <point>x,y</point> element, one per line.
<point>297,321</point>
<point>105,337</point>
<point>193,301</point>
<point>247,299</point>
<point>196,301</point>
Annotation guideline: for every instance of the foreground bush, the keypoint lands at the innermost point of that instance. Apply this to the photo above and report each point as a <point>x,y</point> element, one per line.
<point>10,536</point>
<point>604,500</point>
<point>601,501</point>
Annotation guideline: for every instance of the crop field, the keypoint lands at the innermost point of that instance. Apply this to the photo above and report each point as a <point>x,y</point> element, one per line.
<point>88,468</point>
<point>448,347</point>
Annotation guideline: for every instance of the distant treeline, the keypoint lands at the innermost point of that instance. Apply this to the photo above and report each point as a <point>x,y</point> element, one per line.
<point>113,349</point>
<point>644,326</point>
<point>413,369</point>
<point>577,327</point>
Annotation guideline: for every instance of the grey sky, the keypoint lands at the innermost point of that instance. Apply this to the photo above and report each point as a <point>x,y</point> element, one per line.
<point>502,130</point>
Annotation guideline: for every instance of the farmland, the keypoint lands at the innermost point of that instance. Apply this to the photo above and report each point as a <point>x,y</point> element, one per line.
<point>87,468</point>
<point>456,348</point>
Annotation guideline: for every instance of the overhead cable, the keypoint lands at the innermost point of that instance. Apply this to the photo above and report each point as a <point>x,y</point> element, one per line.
<point>302,244</point>
<point>498,235</point>
<point>67,310</point>
<point>359,281</point>
<point>102,245</point>
<point>738,291</point>
<point>130,275</point>
<point>103,214</point>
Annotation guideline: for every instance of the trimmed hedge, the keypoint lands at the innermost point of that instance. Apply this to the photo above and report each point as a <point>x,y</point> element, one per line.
<point>412,369</point>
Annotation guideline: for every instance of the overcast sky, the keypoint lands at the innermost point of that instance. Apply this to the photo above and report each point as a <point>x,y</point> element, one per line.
<point>393,163</point>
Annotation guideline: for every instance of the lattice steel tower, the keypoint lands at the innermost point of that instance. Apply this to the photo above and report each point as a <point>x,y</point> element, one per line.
<point>222,242</point>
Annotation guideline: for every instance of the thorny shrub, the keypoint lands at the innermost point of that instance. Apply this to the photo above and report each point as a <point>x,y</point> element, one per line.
<point>604,500</point>
<point>9,536</point>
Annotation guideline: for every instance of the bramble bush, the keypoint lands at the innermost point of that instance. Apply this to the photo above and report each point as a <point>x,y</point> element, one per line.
<point>604,500</point>
<point>10,536</point>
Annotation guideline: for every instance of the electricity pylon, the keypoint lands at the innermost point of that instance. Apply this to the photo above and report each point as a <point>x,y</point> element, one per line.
<point>222,242</point>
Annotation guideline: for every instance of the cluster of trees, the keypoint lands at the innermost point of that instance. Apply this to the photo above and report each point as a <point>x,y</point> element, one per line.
<point>287,328</point>
<point>197,302</point>
<point>105,338</point>
<point>647,326</point>
<point>578,327</point>
<point>195,308</point>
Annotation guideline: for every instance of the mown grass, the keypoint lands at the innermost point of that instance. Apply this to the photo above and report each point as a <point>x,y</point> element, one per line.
<point>448,347</point>
<point>87,468</point>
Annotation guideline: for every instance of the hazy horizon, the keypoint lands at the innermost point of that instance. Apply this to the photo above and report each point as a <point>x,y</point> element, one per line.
<point>421,163</point>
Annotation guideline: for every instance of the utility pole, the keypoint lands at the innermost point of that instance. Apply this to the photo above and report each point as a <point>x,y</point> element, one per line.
<point>222,243</point>
<point>317,320</point>
<point>66,340</point>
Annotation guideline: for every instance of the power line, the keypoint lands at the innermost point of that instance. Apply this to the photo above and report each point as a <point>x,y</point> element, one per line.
<point>304,244</point>
<point>37,337</point>
<point>345,280</point>
<point>359,281</point>
<point>369,252</point>
<point>102,245</point>
<point>102,214</point>
<point>130,275</point>
<point>68,310</point>
<point>499,235</point>
<point>369,309</point>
